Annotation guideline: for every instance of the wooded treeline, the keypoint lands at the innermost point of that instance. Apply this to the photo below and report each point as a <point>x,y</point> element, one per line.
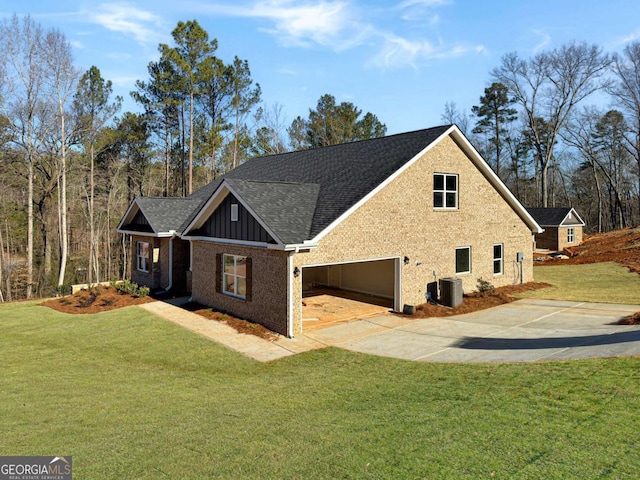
<point>71,161</point>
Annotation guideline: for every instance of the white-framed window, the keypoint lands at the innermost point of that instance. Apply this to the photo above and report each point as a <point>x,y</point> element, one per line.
<point>234,275</point>
<point>445,191</point>
<point>234,212</point>
<point>570,235</point>
<point>142,256</point>
<point>463,260</point>
<point>498,259</point>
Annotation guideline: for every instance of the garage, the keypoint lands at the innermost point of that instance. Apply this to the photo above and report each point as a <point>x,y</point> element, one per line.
<point>341,292</point>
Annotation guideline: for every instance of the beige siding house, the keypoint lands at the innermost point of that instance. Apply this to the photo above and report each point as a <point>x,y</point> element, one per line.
<point>385,217</point>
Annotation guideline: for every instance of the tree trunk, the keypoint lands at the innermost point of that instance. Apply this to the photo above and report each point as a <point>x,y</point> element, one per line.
<point>92,237</point>
<point>62,191</point>
<point>599,190</point>
<point>7,269</point>
<point>30,225</point>
<point>190,143</point>
<point>2,268</point>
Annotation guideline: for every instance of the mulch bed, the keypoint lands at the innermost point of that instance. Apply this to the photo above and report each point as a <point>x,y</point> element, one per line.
<point>240,325</point>
<point>477,301</point>
<point>96,300</point>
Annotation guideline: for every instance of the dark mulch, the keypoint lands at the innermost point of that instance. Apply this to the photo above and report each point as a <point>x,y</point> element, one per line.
<point>95,300</point>
<point>239,324</point>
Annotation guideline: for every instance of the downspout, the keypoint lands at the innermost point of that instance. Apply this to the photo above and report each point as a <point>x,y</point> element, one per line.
<point>290,294</point>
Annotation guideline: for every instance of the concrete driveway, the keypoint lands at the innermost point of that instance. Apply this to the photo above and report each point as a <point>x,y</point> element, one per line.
<point>522,331</point>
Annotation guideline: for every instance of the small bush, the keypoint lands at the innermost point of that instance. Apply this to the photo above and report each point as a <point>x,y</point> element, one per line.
<point>63,290</point>
<point>143,292</point>
<point>132,288</point>
<point>485,286</point>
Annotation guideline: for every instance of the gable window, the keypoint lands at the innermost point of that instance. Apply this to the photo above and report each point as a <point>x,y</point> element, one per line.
<point>234,212</point>
<point>463,260</point>
<point>234,275</point>
<point>498,259</point>
<point>445,190</point>
<point>570,235</point>
<point>142,256</point>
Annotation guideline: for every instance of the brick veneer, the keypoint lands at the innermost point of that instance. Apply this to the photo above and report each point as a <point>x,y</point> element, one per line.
<point>269,302</point>
<point>400,221</point>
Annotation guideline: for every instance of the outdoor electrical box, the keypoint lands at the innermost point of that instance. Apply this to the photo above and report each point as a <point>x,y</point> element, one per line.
<point>451,292</point>
<point>520,257</point>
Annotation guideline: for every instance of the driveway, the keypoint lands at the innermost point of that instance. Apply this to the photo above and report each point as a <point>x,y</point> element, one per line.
<point>522,331</point>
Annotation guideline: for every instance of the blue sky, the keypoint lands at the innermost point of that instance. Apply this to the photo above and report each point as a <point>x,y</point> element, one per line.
<point>401,60</point>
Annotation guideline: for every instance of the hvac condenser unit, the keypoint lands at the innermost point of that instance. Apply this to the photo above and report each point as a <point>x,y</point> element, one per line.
<point>451,292</point>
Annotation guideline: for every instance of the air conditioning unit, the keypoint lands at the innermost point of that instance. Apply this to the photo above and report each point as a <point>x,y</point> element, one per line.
<point>451,291</point>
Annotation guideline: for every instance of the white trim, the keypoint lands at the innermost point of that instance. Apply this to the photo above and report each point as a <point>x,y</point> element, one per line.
<point>290,296</point>
<point>148,257</point>
<point>215,200</point>
<point>172,233</point>
<point>235,275</point>
<point>573,210</point>
<point>444,191</point>
<point>226,241</point>
<point>466,272</point>
<point>234,212</point>
<point>501,259</point>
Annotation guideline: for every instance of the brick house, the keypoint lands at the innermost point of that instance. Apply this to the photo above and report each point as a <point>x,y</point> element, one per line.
<point>384,217</point>
<point>562,227</point>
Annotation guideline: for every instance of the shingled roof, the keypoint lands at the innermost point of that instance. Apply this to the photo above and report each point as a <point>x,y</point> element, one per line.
<point>554,217</point>
<point>164,214</point>
<point>342,174</point>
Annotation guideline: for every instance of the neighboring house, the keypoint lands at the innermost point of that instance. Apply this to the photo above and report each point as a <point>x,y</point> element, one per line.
<point>384,217</point>
<point>562,227</point>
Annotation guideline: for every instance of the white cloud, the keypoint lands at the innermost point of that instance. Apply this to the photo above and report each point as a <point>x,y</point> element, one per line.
<point>544,42</point>
<point>632,37</point>
<point>126,18</point>
<point>330,23</point>
<point>401,52</point>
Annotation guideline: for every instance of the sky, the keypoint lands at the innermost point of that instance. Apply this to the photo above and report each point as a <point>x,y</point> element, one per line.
<point>402,60</point>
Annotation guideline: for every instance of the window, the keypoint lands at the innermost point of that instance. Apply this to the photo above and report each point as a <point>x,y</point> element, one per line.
<point>142,256</point>
<point>498,259</point>
<point>234,275</point>
<point>570,235</point>
<point>445,190</point>
<point>234,212</point>
<point>463,260</point>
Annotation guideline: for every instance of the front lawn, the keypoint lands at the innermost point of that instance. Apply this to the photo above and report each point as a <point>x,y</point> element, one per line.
<point>132,396</point>
<point>606,282</point>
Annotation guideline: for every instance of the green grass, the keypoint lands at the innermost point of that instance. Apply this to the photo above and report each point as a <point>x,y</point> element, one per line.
<point>597,282</point>
<point>132,396</point>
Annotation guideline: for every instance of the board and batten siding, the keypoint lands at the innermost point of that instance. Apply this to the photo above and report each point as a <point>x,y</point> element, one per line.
<point>246,228</point>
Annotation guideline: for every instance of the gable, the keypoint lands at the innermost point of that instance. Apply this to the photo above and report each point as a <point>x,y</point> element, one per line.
<point>220,224</point>
<point>138,222</point>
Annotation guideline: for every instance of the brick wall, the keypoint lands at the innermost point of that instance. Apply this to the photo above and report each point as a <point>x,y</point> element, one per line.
<point>269,302</point>
<point>400,221</point>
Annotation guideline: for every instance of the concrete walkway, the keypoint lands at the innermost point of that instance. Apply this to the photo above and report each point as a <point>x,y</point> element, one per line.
<point>249,345</point>
<point>522,331</point>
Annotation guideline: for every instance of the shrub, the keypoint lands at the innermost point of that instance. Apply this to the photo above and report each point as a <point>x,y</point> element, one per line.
<point>485,286</point>
<point>143,292</point>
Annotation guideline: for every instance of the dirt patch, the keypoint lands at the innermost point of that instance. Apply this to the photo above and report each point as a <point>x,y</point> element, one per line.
<point>96,300</point>
<point>621,246</point>
<point>477,301</point>
<point>240,325</point>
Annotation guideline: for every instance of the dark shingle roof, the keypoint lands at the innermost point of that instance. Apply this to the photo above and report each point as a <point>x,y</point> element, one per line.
<point>344,174</point>
<point>166,214</point>
<point>287,208</point>
<point>549,217</point>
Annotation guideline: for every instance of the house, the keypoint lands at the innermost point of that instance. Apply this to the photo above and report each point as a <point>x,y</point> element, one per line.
<point>384,217</point>
<point>562,227</point>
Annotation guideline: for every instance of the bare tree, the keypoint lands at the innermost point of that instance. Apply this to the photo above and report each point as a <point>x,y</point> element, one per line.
<point>547,87</point>
<point>626,92</point>
<point>26,104</point>
<point>63,77</point>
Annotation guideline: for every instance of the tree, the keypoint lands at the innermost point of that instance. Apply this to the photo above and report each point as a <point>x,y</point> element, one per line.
<point>269,136</point>
<point>63,76</point>
<point>93,109</point>
<point>244,98</point>
<point>331,124</point>
<point>547,87</point>
<point>626,92</point>
<point>160,103</point>
<point>26,104</point>
<point>494,114</point>
<point>188,56</point>
<point>452,116</point>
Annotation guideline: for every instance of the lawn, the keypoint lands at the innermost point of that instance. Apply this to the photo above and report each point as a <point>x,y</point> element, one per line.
<point>606,282</point>
<point>132,396</point>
